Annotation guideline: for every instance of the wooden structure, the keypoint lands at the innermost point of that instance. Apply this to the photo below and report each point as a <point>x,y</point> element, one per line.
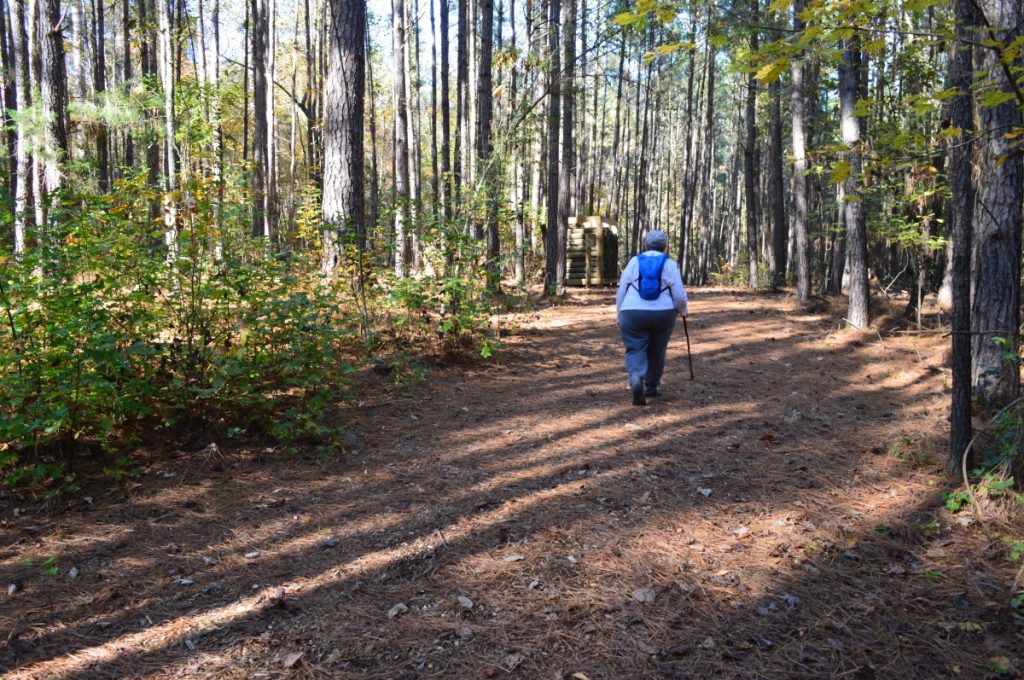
<point>591,252</point>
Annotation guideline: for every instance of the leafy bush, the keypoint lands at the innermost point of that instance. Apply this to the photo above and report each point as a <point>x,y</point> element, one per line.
<point>105,333</point>
<point>445,312</point>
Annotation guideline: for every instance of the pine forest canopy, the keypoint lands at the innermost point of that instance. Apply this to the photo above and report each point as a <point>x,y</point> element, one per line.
<point>842,147</point>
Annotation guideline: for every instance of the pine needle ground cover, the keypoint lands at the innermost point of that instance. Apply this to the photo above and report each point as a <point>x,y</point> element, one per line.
<point>781,516</point>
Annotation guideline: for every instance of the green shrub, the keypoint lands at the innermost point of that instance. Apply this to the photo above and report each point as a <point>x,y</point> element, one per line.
<point>105,334</point>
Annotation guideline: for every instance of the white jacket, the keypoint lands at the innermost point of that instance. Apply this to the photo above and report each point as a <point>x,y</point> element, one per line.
<point>674,295</point>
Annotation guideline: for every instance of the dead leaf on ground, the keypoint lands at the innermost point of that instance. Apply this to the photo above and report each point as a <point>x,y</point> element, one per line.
<point>292,659</point>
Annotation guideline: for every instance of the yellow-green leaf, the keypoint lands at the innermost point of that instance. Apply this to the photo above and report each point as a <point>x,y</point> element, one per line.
<point>665,15</point>
<point>769,73</point>
<point>995,98</point>
<point>840,172</point>
<point>626,19</point>
<point>876,46</point>
<point>809,34</point>
<point>780,6</point>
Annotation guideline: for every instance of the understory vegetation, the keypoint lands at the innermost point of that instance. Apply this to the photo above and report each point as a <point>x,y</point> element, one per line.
<point>110,338</point>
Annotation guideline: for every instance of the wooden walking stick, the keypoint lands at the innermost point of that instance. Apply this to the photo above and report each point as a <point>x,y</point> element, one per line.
<point>689,356</point>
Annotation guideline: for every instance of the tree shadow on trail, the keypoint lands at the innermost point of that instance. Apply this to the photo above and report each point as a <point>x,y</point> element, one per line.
<point>740,528</point>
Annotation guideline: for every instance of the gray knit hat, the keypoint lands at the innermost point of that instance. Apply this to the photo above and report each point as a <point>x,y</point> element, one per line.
<point>656,240</point>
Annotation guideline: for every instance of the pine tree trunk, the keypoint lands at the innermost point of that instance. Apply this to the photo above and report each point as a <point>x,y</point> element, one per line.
<point>264,159</point>
<point>148,59</point>
<point>126,66</point>
<point>961,184</point>
<point>401,138</point>
<point>749,167</point>
<point>995,310</point>
<point>343,132</point>
<point>780,227</point>
<point>552,256</point>
<point>435,184</point>
<point>484,145</point>
<point>412,100</point>
<point>100,84</point>
<point>803,278</point>
<point>461,102</point>
<point>858,314</point>
<point>707,187</point>
<point>164,57</point>
<point>23,159</point>
<point>446,122</point>
<point>53,90</point>
<point>567,173</point>
<point>374,172</point>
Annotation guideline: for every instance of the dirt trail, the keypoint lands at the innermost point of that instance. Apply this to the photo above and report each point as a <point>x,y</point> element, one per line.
<point>778,517</point>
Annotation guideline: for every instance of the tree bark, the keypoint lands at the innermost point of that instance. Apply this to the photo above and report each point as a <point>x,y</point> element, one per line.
<point>343,202</point>
<point>461,101</point>
<point>552,254</point>
<point>749,168</point>
<point>126,66</point>
<point>961,185</point>
<point>484,146</point>
<point>780,227</point>
<point>164,58</point>
<point>100,85</point>
<point>53,91</point>
<point>264,158</point>
<point>803,278</point>
<point>401,138</point>
<point>446,123</point>
<point>858,314</point>
<point>995,311</point>
<point>23,159</point>
<point>567,174</point>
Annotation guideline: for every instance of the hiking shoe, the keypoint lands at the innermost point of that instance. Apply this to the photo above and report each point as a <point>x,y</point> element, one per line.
<point>652,391</point>
<point>638,393</point>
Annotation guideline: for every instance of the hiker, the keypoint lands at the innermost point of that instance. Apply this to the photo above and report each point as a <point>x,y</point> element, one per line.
<point>650,294</point>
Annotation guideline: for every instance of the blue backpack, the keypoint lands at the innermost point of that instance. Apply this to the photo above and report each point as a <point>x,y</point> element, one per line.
<point>648,282</point>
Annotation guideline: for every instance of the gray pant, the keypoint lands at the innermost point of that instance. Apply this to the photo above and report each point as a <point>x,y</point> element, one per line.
<point>645,334</point>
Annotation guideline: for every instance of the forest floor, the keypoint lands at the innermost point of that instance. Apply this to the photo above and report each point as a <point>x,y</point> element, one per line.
<point>780,516</point>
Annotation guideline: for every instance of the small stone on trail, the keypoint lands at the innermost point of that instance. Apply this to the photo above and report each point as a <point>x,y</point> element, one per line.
<point>514,558</point>
<point>645,595</point>
<point>397,610</point>
<point>646,648</point>
<point>708,643</point>
<point>72,573</point>
<point>792,601</point>
<point>465,602</point>
<point>253,555</point>
<point>213,589</point>
<point>330,542</point>
<point>464,633</point>
<point>704,492</point>
<point>181,581</point>
<point>14,587</point>
<point>292,659</point>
